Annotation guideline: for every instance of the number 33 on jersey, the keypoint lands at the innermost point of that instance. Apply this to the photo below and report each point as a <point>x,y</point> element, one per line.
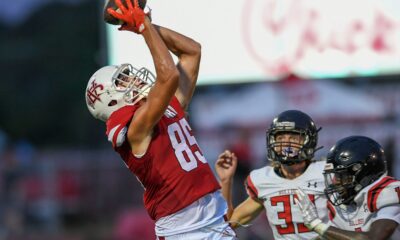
<point>277,194</point>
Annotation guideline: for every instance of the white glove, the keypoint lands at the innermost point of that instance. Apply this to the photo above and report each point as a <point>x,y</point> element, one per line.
<point>309,212</point>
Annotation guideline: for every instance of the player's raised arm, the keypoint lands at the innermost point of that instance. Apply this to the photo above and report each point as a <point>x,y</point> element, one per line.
<point>166,82</point>
<point>188,52</point>
<point>226,168</point>
<point>246,211</point>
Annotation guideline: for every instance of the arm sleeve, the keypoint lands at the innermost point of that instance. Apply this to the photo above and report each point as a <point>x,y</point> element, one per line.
<point>117,135</point>
<point>389,212</point>
<point>250,188</point>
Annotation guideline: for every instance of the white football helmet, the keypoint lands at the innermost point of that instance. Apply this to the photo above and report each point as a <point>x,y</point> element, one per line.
<point>112,87</point>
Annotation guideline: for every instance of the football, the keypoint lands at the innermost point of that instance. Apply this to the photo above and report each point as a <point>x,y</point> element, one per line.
<point>111,4</point>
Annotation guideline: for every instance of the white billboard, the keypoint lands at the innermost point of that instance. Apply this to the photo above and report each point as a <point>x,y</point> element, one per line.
<point>257,40</point>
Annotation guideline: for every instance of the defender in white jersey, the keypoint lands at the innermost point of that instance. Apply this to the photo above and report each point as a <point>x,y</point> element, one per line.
<point>291,143</point>
<point>363,201</point>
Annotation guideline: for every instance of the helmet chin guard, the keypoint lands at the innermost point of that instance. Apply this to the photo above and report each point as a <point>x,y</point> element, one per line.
<point>112,87</point>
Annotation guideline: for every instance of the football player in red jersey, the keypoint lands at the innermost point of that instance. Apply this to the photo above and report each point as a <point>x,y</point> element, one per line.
<point>291,143</point>
<point>363,200</point>
<point>145,118</point>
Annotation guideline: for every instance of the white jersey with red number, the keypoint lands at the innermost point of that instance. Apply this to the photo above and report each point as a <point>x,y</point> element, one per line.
<point>379,200</point>
<point>278,196</point>
<point>173,171</point>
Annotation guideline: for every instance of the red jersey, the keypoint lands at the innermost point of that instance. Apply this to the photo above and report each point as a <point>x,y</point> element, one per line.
<point>173,171</point>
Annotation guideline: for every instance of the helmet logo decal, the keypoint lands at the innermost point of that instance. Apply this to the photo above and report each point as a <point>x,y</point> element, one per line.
<point>288,125</point>
<point>344,156</point>
<point>92,96</point>
<point>329,166</point>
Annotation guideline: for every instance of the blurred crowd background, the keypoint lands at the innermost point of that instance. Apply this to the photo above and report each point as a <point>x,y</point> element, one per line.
<point>60,179</point>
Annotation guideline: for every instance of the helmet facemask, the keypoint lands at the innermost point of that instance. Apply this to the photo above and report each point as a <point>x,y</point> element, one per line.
<point>288,151</point>
<point>341,184</point>
<point>134,83</point>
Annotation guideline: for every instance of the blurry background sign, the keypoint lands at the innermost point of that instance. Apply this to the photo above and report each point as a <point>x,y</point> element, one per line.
<point>263,39</point>
<point>257,105</point>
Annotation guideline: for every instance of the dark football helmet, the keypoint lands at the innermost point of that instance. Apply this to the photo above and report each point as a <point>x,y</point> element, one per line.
<point>284,152</point>
<point>352,164</point>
